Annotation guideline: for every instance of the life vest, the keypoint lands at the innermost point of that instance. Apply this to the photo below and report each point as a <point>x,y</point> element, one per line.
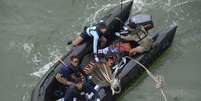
<point>140,30</point>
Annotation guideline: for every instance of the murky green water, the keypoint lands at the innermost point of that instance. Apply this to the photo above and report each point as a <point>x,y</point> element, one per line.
<point>33,34</point>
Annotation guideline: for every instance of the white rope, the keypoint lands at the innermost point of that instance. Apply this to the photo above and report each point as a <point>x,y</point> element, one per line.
<point>108,79</point>
<point>157,79</point>
<point>62,62</point>
<point>114,82</point>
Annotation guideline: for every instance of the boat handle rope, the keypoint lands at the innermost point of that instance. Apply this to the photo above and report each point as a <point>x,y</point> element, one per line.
<point>158,79</point>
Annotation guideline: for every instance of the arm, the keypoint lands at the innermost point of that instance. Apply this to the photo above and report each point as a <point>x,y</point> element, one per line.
<point>95,44</point>
<point>62,80</point>
<point>66,82</point>
<point>95,41</point>
<point>144,45</point>
<point>127,38</point>
<point>124,34</point>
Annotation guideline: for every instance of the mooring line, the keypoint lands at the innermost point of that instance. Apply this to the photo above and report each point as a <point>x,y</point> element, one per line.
<point>157,79</point>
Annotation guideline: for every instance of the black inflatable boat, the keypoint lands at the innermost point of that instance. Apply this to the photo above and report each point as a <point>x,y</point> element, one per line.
<point>47,88</point>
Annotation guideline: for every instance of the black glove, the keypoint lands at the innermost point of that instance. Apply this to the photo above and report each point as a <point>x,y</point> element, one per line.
<point>69,42</point>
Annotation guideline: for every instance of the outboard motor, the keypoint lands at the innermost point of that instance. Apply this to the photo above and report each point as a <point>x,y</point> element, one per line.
<point>144,20</point>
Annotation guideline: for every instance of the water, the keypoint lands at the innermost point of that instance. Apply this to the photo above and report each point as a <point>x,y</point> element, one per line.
<point>33,35</point>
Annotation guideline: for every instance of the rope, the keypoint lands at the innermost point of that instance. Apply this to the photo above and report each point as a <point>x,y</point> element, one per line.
<point>62,62</point>
<point>114,82</point>
<point>108,79</point>
<point>158,79</point>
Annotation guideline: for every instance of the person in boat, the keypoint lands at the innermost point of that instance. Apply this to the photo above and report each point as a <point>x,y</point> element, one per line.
<point>76,81</point>
<point>132,33</point>
<point>138,34</point>
<point>96,33</point>
<point>70,76</point>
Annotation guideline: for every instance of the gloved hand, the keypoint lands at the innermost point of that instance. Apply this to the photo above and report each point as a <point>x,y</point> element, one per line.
<point>69,42</point>
<point>117,34</point>
<point>96,58</point>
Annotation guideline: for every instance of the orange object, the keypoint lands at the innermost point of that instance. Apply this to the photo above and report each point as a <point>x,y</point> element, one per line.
<point>123,47</point>
<point>110,61</point>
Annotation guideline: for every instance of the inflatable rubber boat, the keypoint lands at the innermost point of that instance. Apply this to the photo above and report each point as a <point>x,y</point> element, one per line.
<point>48,89</point>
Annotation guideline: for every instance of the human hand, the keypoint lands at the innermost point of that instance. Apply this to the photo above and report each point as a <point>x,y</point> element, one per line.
<point>132,52</point>
<point>79,85</point>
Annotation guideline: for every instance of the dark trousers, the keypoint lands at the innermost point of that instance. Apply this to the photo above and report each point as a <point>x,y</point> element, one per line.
<point>71,92</point>
<point>89,87</point>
